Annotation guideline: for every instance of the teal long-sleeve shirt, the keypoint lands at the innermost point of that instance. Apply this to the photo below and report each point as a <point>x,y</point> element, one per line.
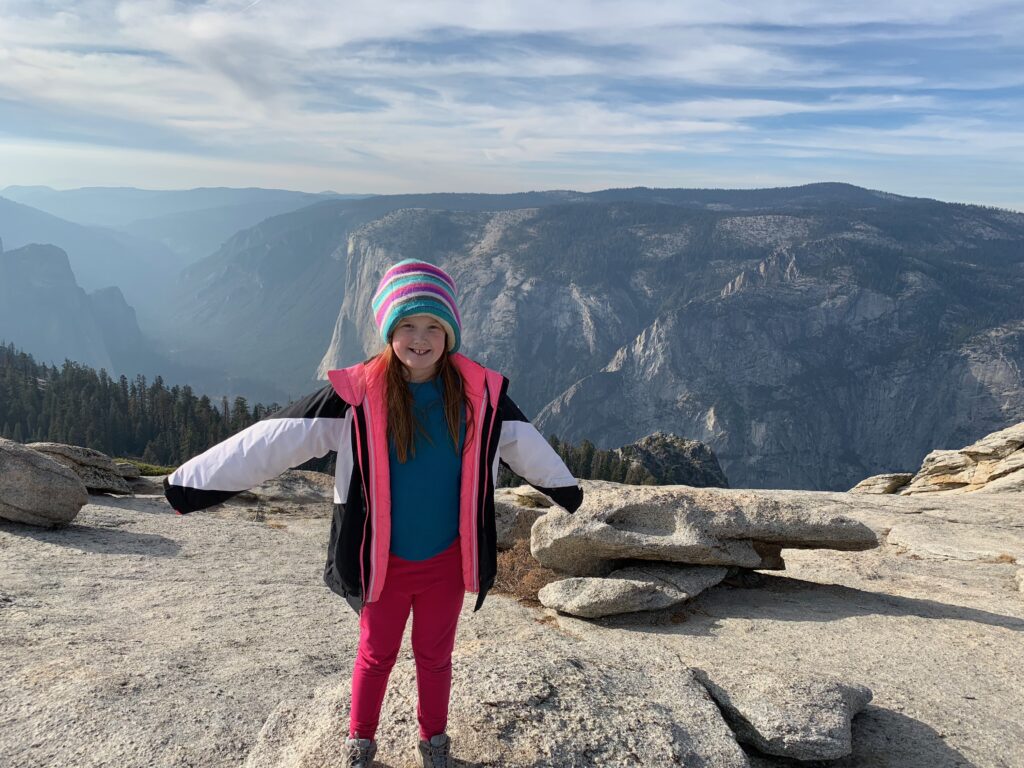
<point>425,489</point>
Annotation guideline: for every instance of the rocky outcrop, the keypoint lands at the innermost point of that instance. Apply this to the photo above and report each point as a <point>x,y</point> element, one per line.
<point>135,609</point>
<point>696,526</point>
<point>36,282</point>
<point>527,697</point>
<point>515,512</point>
<point>994,464</point>
<point>667,459</point>
<point>36,489</point>
<point>295,493</point>
<point>797,716</point>
<point>127,470</point>
<point>96,469</point>
<point>294,487</point>
<point>147,485</point>
<point>639,588</point>
<point>885,483</point>
<point>789,334</point>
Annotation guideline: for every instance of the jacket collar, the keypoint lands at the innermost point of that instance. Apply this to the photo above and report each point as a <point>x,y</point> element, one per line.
<point>352,383</point>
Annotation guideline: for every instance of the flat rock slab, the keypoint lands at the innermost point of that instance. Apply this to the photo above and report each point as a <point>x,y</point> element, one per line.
<point>536,698</point>
<point>697,526</point>
<point>935,540</point>
<point>642,588</point>
<point>801,717</point>
<point>96,469</point>
<point>36,489</point>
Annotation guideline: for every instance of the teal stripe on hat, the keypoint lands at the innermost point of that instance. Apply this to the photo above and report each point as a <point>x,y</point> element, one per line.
<point>417,277</point>
<point>422,305</point>
<point>413,287</point>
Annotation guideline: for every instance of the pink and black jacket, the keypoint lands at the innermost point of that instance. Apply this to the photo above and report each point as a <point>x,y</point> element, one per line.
<point>349,416</point>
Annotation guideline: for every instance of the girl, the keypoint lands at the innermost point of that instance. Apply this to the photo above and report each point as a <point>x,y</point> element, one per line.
<point>419,430</point>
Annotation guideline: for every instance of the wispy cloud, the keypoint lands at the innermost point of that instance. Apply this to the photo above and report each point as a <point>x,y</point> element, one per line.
<point>452,95</point>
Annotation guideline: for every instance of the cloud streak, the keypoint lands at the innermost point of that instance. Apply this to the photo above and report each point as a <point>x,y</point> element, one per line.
<point>408,95</point>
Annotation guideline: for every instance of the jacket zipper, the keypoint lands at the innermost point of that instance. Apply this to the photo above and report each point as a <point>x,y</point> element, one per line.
<point>481,456</point>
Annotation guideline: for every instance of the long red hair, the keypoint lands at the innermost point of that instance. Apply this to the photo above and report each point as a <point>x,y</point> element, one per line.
<point>402,422</point>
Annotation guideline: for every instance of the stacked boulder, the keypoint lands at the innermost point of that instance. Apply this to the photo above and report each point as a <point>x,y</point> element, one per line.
<point>36,489</point>
<point>631,548</point>
<point>48,483</point>
<point>97,470</point>
<point>993,464</point>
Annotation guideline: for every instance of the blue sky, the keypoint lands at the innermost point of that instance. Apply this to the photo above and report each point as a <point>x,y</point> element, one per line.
<point>918,98</point>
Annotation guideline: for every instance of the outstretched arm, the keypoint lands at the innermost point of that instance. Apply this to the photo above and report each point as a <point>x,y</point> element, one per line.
<point>528,454</point>
<point>307,428</point>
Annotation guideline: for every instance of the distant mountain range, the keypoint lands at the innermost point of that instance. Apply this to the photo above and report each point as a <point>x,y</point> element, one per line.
<point>811,336</point>
<point>44,310</point>
<point>190,223</point>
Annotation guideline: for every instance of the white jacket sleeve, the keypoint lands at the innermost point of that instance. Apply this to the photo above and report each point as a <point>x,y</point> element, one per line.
<point>306,429</point>
<point>529,455</point>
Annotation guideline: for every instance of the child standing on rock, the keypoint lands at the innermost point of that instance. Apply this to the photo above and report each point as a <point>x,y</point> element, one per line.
<point>419,429</point>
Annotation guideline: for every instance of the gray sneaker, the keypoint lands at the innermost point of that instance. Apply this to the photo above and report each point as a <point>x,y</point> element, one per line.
<point>435,753</point>
<point>358,753</point>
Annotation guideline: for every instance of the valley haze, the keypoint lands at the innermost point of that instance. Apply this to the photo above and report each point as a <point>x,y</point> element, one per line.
<point>810,336</point>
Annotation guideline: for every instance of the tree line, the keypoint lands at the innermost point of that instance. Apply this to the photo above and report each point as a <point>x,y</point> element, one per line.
<point>78,405</point>
<point>589,463</point>
<point>157,424</point>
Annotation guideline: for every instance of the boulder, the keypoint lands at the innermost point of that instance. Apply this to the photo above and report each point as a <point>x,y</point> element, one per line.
<point>888,483</point>
<point>528,496</point>
<point>994,464</point>
<point>96,469</point>
<point>147,485</point>
<point>515,512</point>
<point>929,539</point>
<point>640,588</point>
<point>797,716</point>
<point>295,492</point>
<point>697,526</point>
<point>127,470</point>
<point>36,489</point>
<point>525,696</point>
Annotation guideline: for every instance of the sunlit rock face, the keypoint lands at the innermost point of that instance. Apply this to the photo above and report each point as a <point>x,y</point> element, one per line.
<point>809,340</point>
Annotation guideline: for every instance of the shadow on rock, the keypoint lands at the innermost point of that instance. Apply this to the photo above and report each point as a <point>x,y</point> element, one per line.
<point>882,738</point>
<point>786,599</point>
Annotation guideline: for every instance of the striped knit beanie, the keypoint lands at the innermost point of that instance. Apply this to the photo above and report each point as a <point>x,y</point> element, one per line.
<point>414,287</point>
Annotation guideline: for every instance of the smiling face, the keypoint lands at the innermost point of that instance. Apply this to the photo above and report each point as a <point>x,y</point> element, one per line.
<point>419,341</point>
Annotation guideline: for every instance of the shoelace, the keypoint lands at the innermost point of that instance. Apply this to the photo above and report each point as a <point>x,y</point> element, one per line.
<point>358,757</point>
<point>439,754</point>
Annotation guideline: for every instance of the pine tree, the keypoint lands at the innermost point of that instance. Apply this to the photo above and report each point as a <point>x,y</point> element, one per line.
<point>584,457</point>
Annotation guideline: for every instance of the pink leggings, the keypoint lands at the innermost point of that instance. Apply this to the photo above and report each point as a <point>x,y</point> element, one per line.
<point>433,590</point>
